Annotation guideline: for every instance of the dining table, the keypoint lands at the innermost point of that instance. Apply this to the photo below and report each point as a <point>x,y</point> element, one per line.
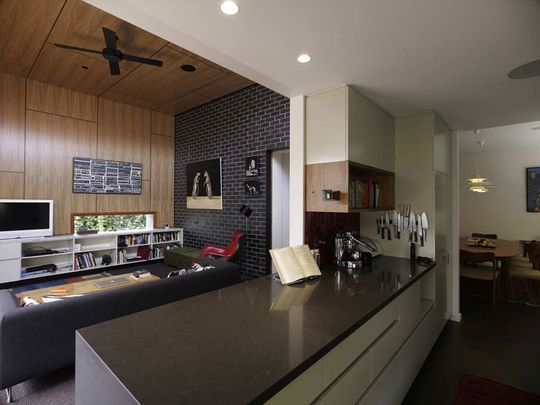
<point>504,250</point>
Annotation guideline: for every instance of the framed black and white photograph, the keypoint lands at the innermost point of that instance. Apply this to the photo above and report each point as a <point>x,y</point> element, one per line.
<point>252,166</point>
<point>203,188</point>
<point>252,188</point>
<point>98,176</point>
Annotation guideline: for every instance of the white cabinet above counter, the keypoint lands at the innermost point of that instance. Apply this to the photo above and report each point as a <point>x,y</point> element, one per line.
<point>342,124</point>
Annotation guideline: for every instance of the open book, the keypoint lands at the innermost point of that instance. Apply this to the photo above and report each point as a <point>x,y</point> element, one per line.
<point>295,264</point>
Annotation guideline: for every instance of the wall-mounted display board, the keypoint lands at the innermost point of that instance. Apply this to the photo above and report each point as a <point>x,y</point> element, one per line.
<point>99,176</point>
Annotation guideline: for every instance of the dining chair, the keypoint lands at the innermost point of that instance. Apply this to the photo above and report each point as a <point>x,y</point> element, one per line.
<point>484,235</point>
<point>469,270</point>
<point>525,270</point>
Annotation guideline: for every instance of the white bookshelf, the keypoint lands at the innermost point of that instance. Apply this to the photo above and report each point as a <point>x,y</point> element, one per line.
<point>18,255</point>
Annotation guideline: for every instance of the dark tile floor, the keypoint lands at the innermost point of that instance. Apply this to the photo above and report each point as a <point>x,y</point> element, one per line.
<point>502,344</point>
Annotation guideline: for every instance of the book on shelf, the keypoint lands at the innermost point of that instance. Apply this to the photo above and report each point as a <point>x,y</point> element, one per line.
<point>295,264</point>
<point>363,194</point>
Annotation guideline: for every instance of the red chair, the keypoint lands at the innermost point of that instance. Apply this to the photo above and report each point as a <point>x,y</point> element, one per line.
<point>225,252</point>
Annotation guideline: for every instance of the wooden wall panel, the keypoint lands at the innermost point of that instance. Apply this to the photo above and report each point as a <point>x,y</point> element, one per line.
<point>11,185</point>
<point>12,123</point>
<point>162,124</point>
<point>162,184</point>
<point>125,202</point>
<point>24,26</point>
<point>57,100</point>
<point>124,134</point>
<point>51,143</point>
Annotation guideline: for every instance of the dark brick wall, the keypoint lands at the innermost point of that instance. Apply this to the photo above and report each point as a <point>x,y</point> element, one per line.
<point>249,122</point>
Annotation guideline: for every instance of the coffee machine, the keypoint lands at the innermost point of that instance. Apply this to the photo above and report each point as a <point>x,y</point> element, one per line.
<point>350,249</point>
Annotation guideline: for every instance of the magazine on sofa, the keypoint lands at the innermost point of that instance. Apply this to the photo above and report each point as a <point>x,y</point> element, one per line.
<point>295,264</point>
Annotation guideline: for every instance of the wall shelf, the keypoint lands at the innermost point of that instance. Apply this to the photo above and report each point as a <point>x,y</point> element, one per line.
<point>355,182</point>
<point>95,246</point>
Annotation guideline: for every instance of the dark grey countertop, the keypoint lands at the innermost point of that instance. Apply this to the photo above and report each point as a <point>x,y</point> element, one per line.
<point>243,343</point>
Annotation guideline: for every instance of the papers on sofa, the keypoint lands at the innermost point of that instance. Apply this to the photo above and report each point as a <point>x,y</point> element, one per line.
<point>295,264</point>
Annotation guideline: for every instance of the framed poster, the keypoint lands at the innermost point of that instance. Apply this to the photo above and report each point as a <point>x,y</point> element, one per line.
<point>203,185</point>
<point>253,166</point>
<point>98,176</point>
<point>533,189</point>
<point>252,188</point>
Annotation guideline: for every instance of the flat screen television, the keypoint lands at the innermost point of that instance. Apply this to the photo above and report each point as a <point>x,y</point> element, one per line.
<point>25,218</point>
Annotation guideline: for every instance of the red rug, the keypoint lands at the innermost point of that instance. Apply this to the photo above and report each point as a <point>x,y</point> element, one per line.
<point>475,390</point>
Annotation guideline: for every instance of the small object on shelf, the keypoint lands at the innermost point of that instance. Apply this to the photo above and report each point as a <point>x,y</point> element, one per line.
<point>166,226</point>
<point>106,260</point>
<point>61,290</point>
<point>85,231</point>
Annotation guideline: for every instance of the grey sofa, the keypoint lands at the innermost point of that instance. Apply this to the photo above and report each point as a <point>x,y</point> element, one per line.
<point>39,339</point>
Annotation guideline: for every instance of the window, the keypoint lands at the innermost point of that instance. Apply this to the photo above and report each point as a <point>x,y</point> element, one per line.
<point>114,222</point>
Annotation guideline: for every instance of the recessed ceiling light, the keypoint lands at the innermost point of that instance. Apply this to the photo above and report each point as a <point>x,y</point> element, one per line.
<point>229,7</point>
<point>188,68</point>
<point>303,58</point>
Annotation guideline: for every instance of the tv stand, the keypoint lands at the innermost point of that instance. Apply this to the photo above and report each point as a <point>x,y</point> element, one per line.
<point>75,253</point>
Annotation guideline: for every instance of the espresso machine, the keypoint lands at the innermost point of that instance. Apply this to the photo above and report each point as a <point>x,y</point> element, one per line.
<point>349,250</point>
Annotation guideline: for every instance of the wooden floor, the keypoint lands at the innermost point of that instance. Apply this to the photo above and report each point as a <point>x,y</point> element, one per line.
<point>502,344</point>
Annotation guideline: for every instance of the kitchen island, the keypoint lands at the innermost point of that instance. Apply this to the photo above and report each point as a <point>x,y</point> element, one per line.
<point>343,334</point>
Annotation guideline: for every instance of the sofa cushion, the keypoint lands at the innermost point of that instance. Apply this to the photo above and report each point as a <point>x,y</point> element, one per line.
<point>8,301</point>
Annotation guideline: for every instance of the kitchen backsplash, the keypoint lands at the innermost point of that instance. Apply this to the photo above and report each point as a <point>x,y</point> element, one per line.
<point>321,229</point>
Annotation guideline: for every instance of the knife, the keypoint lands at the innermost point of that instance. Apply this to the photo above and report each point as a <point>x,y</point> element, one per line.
<point>410,220</point>
<point>395,221</point>
<point>388,223</point>
<point>399,224</point>
<point>415,226</point>
<point>382,227</point>
<point>378,226</point>
<point>425,224</point>
<point>420,230</point>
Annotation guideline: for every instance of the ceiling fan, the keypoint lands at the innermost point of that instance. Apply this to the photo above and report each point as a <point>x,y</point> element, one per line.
<point>526,71</point>
<point>112,54</point>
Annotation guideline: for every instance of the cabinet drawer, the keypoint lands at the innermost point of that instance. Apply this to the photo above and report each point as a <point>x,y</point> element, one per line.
<point>10,270</point>
<point>385,348</point>
<point>351,385</point>
<point>339,358</point>
<point>410,308</point>
<point>10,251</point>
<point>302,390</point>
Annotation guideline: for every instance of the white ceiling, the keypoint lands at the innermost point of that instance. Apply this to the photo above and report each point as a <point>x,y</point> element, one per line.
<point>518,136</point>
<point>451,56</point>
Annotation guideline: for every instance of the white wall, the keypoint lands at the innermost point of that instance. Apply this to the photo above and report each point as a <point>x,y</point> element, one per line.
<point>502,210</point>
<point>296,170</point>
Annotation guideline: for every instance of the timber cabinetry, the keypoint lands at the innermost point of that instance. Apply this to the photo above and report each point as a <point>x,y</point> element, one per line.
<point>350,148</point>
<point>361,187</point>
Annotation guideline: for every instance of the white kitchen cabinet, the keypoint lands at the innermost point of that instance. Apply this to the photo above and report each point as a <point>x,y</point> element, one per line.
<point>342,124</point>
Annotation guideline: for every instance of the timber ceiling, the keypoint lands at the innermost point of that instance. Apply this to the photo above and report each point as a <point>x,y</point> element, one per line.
<point>28,29</point>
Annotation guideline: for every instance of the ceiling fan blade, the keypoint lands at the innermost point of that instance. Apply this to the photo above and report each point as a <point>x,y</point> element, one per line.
<point>110,38</point>
<point>75,48</point>
<point>526,71</point>
<point>146,61</point>
<point>115,68</point>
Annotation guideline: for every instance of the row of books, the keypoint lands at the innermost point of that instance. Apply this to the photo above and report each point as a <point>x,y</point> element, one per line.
<point>363,194</point>
<point>130,255</point>
<point>85,261</point>
<point>166,237</point>
<point>132,240</point>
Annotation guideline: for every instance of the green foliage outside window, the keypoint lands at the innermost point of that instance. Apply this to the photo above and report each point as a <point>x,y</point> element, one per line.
<point>105,223</point>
